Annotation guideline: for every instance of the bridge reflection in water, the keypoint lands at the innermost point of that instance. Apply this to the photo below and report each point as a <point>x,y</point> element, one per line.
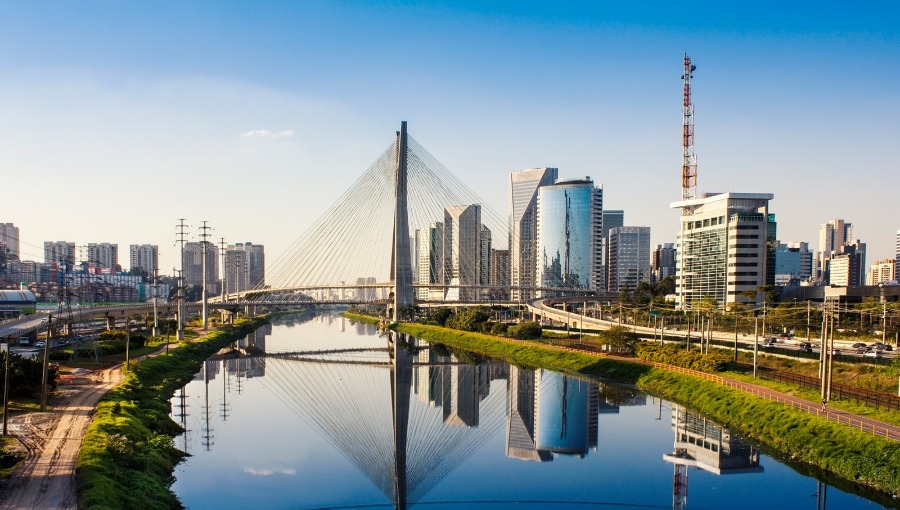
<point>408,439</point>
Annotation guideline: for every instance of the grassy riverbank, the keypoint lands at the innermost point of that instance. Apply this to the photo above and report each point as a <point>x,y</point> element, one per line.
<point>128,454</point>
<point>850,454</point>
<point>358,317</point>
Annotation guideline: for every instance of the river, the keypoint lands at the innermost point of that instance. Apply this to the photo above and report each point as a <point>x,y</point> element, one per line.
<point>322,412</point>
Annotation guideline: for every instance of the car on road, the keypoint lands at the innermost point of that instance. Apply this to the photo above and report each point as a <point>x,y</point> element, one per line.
<point>860,345</point>
<point>40,344</point>
<point>873,354</point>
<point>770,342</point>
<point>804,346</point>
<point>835,351</point>
<point>884,347</point>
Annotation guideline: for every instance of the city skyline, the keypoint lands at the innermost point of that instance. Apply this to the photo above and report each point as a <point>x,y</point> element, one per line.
<point>255,111</point>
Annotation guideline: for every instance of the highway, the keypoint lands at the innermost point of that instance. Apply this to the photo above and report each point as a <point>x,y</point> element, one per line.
<point>544,308</point>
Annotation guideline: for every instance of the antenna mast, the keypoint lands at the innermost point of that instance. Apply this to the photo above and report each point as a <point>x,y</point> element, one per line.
<point>689,159</point>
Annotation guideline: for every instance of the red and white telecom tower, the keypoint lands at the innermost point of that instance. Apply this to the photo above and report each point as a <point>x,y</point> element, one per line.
<point>689,159</point>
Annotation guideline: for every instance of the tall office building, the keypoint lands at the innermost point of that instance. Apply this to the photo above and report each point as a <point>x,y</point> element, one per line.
<point>193,265</point>
<point>462,246</point>
<point>629,257</point>
<point>662,261</point>
<point>59,252</point>
<point>485,250</point>
<point>725,247</point>
<point>832,236</point>
<point>144,257</point>
<point>104,255</point>
<point>847,266</point>
<point>523,186</point>
<point>611,219</point>
<point>565,236</point>
<point>9,240</point>
<point>793,264</point>
<point>882,271</point>
<point>245,266</point>
<point>429,261</point>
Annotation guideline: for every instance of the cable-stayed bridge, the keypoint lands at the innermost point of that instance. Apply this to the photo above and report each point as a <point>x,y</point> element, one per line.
<point>407,207</point>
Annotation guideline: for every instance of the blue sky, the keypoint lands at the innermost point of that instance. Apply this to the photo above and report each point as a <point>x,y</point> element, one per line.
<point>117,118</point>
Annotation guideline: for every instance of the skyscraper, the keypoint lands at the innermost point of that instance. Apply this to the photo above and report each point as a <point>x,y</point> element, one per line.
<point>144,257</point>
<point>611,219</point>
<point>723,247</point>
<point>193,265</point>
<point>104,255</point>
<point>881,272</point>
<point>523,186</point>
<point>832,236</point>
<point>793,263</point>
<point>897,256</point>
<point>485,256</point>
<point>847,266</point>
<point>662,261</point>
<point>565,236</point>
<point>629,257</point>
<point>462,246</point>
<point>429,260</point>
<point>57,252</point>
<point>500,274</point>
<point>9,239</point>
<point>244,267</point>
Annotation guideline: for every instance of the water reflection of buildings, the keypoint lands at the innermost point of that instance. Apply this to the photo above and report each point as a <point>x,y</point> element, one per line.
<point>549,414</point>
<point>703,444</point>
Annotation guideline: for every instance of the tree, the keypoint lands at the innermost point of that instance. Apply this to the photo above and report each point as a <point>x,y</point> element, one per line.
<point>619,339</point>
<point>472,319</point>
<point>441,315</point>
<point>525,329</point>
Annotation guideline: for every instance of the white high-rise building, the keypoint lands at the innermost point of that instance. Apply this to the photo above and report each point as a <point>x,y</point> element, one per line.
<point>144,257</point>
<point>59,252</point>
<point>897,256</point>
<point>722,249</point>
<point>523,186</point>
<point>9,239</point>
<point>882,271</point>
<point>103,255</point>
<point>611,220</point>
<point>429,261</point>
<point>462,246</point>
<point>244,267</point>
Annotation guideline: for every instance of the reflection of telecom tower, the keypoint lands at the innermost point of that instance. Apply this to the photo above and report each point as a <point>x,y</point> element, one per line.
<point>549,413</point>
<point>223,406</point>
<point>182,415</point>
<point>703,444</point>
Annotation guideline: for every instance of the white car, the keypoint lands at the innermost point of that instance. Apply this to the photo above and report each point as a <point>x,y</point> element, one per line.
<point>873,354</point>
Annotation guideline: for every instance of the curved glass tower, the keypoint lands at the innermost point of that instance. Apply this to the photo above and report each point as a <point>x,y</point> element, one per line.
<point>565,217</point>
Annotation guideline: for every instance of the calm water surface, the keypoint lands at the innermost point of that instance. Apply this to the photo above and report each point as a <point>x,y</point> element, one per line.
<point>327,414</point>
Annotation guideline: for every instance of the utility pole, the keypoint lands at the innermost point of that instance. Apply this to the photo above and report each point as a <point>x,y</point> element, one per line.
<point>44,374</point>
<point>755,345</point>
<point>6,383</point>
<point>203,243</point>
<point>181,233</point>
<point>155,300</point>
<point>222,247</point>
<point>883,322</point>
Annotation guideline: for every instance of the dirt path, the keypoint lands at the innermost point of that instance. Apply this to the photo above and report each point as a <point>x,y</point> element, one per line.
<point>46,479</point>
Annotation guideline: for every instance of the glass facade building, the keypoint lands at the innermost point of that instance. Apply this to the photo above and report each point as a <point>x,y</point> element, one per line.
<point>523,186</point>
<point>565,235</point>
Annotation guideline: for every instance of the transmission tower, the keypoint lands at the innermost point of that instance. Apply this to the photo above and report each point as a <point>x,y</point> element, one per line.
<point>689,159</point>
<point>203,249</point>
<point>181,233</point>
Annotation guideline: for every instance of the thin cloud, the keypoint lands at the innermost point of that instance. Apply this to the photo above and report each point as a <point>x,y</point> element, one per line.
<point>270,472</point>
<point>266,133</point>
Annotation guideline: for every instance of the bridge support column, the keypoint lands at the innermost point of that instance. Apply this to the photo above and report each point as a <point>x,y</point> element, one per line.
<point>110,323</point>
<point>401,263</point>
<point>250,310</point>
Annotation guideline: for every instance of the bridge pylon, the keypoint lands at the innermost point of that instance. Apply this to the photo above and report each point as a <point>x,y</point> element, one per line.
<point>401,265</point>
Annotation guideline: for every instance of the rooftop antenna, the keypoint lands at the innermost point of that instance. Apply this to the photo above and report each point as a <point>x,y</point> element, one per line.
<point>689,159</point>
